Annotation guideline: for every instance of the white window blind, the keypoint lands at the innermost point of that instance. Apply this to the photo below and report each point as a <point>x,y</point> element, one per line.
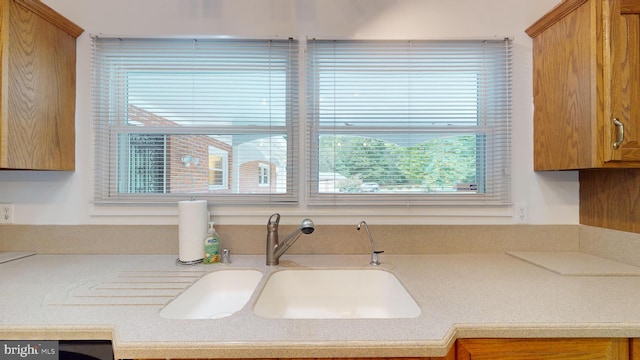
<point>176,118</point>
<point>408,122</point>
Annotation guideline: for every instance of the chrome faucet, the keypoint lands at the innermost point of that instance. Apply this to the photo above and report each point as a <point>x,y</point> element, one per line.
<point>275,248</point>
<point>374,253</point>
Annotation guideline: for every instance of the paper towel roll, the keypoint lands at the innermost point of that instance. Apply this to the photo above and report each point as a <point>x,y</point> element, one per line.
<point>193,220</point>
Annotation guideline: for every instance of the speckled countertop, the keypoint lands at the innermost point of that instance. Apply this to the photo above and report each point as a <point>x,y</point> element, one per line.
<point>119,297</point>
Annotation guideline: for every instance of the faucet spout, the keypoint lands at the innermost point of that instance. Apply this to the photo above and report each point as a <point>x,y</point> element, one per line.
<point>275,248</point>
<point>374,254</point>
<point>286,243</point>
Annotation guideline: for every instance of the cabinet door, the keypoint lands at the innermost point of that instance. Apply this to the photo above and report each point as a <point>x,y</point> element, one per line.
<point>38,87</point>
<point>634,349</point>
<point>564,74</point>
<point>542,349</point>
<point>622,128</point>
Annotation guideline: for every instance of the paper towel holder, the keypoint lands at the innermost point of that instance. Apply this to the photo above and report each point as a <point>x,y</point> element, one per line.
<point>188,251</point>
<point>188,263</point>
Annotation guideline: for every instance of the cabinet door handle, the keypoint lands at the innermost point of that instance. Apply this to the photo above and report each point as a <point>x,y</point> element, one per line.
<point>620,126</point>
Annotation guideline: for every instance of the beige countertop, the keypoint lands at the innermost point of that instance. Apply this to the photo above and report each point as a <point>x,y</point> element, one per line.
<point>119,297</point>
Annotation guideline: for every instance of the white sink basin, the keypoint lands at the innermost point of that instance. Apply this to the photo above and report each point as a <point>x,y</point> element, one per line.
<point>335,294</point>
<point>215,296</point>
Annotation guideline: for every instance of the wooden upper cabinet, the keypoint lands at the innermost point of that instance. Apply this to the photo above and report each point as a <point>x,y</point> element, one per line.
<point>38,87</point>
<point>625,82</point>
<point>586,85</point>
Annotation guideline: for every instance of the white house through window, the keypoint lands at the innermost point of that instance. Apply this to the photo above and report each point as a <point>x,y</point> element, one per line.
<point>264,174</point>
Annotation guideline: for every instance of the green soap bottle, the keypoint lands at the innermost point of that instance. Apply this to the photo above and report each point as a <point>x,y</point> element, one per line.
<point>211,246</point>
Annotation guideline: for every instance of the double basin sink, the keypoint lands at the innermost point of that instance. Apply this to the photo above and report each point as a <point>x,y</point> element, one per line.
<point>296,294</point>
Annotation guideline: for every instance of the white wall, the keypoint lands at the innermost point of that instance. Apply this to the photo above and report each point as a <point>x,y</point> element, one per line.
<point>65,198</point>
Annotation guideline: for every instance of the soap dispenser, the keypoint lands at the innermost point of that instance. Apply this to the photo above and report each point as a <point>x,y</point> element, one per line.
<point>211,246</point>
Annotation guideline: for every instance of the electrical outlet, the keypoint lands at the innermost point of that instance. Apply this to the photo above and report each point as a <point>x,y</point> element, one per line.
<point>6,213</point>
<point>522,216</point>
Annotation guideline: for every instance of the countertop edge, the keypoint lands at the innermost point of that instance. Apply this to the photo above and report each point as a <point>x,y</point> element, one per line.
<point>282,350</point>
<point>355,349</point>
<point>43,332</point>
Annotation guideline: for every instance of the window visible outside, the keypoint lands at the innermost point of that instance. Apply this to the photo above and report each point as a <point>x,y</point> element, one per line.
<point>264,174</point>
<point>218,168</point>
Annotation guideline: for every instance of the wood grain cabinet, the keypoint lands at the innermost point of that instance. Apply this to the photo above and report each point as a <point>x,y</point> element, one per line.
<point>542,349</point>
<point>586,84</point>
<point>38,87</point>
<point>634,349</point>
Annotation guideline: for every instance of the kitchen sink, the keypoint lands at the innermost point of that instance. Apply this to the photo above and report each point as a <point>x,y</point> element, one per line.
<point>215,296</point>
<point>335,294</point>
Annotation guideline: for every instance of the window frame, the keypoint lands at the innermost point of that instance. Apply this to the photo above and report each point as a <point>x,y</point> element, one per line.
<point>299,135</point>
<point>106,129</point>
<point>501,197</point>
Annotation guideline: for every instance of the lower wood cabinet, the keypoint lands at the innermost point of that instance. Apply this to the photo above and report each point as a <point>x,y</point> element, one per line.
<point>634,349</point>
<point>543,349</point>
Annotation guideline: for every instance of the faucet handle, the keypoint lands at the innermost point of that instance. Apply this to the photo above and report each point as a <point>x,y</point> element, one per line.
<point>226,256</point>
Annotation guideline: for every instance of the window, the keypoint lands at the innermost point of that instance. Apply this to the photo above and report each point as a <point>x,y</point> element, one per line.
<point>408,122</point>
<point>264,174</point>
<point>176,118</point>
<point>387,122</point>
<point>218,169</point>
